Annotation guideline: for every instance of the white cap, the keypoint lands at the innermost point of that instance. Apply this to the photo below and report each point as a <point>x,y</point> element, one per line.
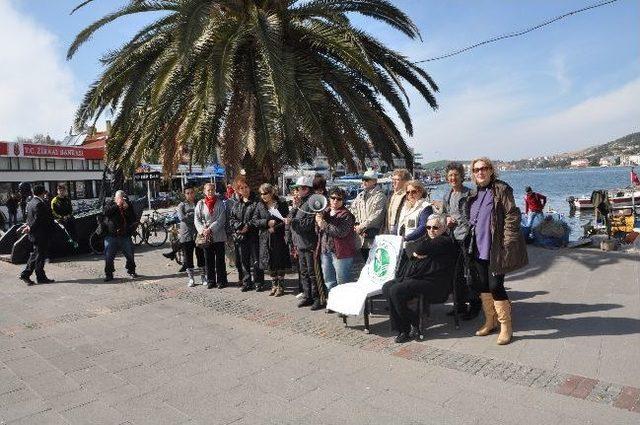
<point>370,175</point>
<point>304,181</point>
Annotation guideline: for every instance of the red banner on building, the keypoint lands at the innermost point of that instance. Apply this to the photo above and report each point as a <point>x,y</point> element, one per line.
<point>29,150</point>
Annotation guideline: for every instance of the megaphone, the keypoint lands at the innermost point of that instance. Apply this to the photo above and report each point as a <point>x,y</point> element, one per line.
<point>317,203</point>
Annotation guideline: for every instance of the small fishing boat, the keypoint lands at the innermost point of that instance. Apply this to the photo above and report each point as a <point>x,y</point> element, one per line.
<point>619,198</point>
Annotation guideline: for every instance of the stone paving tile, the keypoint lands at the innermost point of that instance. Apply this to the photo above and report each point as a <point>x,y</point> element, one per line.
<point>94,413</point>
<point>43,418</point>
<point>22,409</point>
<point>51,384</point>
<point>164,302</point>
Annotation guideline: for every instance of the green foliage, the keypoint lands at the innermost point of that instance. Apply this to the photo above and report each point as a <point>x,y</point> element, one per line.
<point>278,79</point>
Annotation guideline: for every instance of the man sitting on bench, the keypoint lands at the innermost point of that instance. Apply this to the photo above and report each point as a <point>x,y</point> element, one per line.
<point>428,272</point>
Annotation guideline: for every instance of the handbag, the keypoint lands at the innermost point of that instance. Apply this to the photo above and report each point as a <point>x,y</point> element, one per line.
<point>202,241</point>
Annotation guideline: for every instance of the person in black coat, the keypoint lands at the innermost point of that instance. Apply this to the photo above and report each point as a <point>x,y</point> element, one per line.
<point>245,236</point>
<point>39,225</point>
<point>274,252</point>
<point>120,222</point>
<point>429,271</point>
<point>12,208</point>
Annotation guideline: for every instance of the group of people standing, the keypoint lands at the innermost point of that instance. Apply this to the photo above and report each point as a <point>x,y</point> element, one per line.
<point>470,245</point>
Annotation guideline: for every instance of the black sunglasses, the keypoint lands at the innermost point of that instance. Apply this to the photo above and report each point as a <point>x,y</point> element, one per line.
<point>336,198</point>
<point>433,227</point>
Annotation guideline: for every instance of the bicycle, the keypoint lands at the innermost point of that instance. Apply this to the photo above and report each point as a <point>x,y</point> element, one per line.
<point>151,230</point>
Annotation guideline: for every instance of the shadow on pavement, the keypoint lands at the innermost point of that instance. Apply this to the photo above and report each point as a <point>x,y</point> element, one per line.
<point>541,260</point>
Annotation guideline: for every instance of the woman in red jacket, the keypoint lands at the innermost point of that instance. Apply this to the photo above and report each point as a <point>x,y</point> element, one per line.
<point>337,240</point>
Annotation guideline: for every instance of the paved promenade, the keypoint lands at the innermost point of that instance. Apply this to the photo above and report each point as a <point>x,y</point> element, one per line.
<point>152,351</point>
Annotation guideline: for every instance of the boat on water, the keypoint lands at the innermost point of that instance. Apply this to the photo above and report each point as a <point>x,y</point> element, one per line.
<point>619,198</point>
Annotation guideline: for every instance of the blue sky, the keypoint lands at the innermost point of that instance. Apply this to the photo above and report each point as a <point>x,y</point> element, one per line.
<point>573,84</point>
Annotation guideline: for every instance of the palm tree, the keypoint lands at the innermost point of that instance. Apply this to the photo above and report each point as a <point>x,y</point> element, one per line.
<point>279,79</point>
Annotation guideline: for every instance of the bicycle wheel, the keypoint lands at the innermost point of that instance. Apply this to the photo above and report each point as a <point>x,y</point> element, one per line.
<point>156,235</point>
<point>96,242</point>
<point>138,235</point>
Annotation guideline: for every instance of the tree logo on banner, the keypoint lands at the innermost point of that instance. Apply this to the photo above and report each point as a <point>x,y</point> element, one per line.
<point>381,261</point>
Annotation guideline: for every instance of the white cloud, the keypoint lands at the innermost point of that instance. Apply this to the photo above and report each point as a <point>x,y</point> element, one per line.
<point>501,121</point>
<point>36,85</point>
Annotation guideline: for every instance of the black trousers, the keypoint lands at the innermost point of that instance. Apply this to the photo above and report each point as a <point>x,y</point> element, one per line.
<point>398,294</point>
<point>216,269</point>
<point>250,263</point>
<point>308,274</point>
<point>465,292</point>
<point>484,281</point>
<point>35,263</point>
<point>238,261</point>
<point>188,249</point>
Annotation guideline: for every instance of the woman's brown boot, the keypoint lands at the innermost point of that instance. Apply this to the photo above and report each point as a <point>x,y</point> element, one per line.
<point>503,309</point>
<point>490,316</point>
<point>274,287</point>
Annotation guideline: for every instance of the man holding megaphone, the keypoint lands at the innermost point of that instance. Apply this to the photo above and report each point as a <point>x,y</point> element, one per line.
<point>303,232</point>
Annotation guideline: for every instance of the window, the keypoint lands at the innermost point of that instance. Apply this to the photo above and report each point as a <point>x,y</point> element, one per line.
<point>78,164</point>
<point>36,163</point>
<point>81,191</point>
<point>60,165</point>
<point>26,164</point>
<point>95,164</point>
<point>68,164</point>
<point>15,164</point>
<point>88,189</point>
<point>49,164</point>
<point>5,164</point>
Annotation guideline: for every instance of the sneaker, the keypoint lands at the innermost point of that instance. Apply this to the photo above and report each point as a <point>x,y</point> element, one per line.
<point>414,333</point>
<point>191,283</point>
<point>169,255</point>
<point>203,280</point>
<point>274,289</point>
<point>304,302</point>
<point>279,291</point>
<point>300,295</point>
<point>317,305</point>
<point>45,280</point>
<point>133,275</point>
<point>246,288</point>
<point>27,280</point>
<point>402,338</point>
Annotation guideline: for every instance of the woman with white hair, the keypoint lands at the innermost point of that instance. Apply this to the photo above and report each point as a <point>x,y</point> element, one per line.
<point>428,272</point>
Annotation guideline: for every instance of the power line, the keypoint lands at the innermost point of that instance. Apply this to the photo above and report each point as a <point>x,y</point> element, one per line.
<point>518,33</point>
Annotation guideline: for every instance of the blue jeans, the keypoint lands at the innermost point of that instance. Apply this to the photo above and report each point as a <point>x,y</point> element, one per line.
<point>111,246</point>
<point>334,270</point>
<point>534,217</point>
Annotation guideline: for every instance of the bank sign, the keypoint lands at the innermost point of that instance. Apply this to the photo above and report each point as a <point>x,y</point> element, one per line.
<point>29,150</point>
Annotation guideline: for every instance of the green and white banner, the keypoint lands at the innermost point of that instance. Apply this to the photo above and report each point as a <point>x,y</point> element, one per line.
<point>381,266</point>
